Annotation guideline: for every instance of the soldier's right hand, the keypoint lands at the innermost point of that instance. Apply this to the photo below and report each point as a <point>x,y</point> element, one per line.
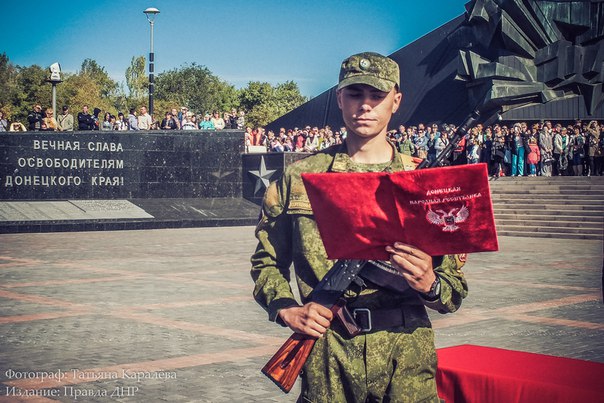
<point>312,319</point>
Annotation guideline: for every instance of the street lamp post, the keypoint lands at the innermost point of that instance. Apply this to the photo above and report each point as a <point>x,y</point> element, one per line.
<point>151,12</point>
<point>54,79</point>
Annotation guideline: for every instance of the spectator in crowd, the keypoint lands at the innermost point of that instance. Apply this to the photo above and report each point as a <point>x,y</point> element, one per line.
<point>49,122</point>
<point>546,148</point>
<point>459,153</point>
<point>16,127</point>
<point>435,130</point>
<point>487,146</point>
<point>248,138</point>
<point>188,123</point>
<point>85,121</point>
<point>442,143</point>
<point>288,145</point>
<point>405,145</point>
<point>498,154</point>
<point>561,147</point>
<point>106,124</point>
<point>133,120</point>
<point>144,119</point>
<point>577,149</point>
<point>421,143</point>
<point>299,140</point>
<point>96,124</point>
<point>261,136</point>
<point>35,118</point>
<point>599,155</point>
<point>533,156</point>
<point>3,123</point>
<point>169,123</point>
<point>121,124</point>
<point>518,150</point>
<point>241,120</point>
<point>312,141</point>
<point>65,120</point>
<point>473,153</point>
<point>174,114</point>
<point>217,121</point>
<point>231,123</point>
<point>432,146</point>
<point>206,123</point>
<point>593,134</point>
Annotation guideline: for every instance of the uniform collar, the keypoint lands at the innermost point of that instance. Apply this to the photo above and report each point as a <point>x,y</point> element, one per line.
<point>342,161</point>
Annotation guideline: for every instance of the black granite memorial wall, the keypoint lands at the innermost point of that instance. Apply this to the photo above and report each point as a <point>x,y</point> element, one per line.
<point>261,169</point>
<point>116,165</point>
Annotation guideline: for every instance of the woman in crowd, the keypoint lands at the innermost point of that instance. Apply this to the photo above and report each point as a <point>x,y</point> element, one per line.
<point>3,123</point>
<point>593,136</point>
<point>206,123</point>
<point>217,121</point>
<point>49,123</point>
<point>188,123</point>
<point>106,124</point>
<point>561,147</point>
<point>442,142</point>
<point>546,148</point>
<point>518,150</point>
<point>473,151</point>
<point>498,152</point>
<point>121,124</point>
<point>534,155</point>
<point>578,150</point>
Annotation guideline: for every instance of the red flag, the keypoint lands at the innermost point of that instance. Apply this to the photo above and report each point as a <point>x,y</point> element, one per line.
<point>439,210</point>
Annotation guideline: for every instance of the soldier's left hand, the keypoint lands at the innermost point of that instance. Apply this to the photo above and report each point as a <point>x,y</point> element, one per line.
<point>414,264</point>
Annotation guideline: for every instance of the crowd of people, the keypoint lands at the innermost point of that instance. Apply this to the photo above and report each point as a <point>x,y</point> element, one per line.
<point>84,120</point>
<point>520,149</point>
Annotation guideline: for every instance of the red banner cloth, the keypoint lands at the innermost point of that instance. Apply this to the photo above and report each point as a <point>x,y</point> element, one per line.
<point>468,374</point>
<point>439,210</point>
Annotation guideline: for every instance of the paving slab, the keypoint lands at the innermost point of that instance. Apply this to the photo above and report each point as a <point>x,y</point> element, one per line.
<point>168,314</point>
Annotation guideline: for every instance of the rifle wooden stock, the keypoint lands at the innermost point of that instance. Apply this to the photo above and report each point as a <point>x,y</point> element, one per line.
<point>285,366</point>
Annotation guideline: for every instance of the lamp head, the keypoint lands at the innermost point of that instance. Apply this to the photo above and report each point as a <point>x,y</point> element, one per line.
<point>151,12</point>
<point>55,72</point>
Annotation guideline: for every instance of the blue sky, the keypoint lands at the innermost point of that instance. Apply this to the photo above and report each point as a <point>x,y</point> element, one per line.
<point>239,41</point>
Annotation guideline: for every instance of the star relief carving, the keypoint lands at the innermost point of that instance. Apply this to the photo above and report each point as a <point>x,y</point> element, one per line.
<point>262,176</point>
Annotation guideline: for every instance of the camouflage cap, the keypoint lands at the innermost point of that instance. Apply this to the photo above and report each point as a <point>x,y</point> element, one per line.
<point>370,68</point>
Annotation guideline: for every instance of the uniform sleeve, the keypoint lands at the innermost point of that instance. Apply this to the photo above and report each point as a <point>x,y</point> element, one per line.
<point>273,256</point>
<point>453,285</point>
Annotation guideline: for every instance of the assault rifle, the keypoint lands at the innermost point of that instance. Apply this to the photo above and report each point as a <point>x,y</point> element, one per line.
<point>284,367</point>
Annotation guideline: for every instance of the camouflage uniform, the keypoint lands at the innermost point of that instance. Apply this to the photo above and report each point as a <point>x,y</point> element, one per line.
<point>398,364</point>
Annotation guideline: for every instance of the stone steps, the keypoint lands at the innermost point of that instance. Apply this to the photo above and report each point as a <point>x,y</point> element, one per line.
<point>583,225</point>
<point>559,207</point>
<point>540,205</point>
<point>578,218</point>
<point>554,196</point>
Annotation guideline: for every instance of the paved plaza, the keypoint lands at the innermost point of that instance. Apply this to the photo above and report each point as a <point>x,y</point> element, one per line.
<point>167,315</point>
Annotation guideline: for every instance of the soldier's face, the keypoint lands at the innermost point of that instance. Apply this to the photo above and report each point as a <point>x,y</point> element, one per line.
<point>367,110</point>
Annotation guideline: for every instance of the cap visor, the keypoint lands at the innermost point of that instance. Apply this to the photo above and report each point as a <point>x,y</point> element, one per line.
<point>378,83</point>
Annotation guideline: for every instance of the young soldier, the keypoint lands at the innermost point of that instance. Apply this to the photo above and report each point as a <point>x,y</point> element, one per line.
<point>395,360</point>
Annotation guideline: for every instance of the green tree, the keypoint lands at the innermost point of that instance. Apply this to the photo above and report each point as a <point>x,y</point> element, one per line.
<point>93,70</point>
<point>8,85</point>
<point>31,88</point>
<point>80,89</point>
<point>197,88</point>
<point>265,103</point>
<point>288,98</point>
<point>136,78</point>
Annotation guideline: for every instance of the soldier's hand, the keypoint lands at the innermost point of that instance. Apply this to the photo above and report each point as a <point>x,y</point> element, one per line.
<point>311,319</point>
<point>414,264</point>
